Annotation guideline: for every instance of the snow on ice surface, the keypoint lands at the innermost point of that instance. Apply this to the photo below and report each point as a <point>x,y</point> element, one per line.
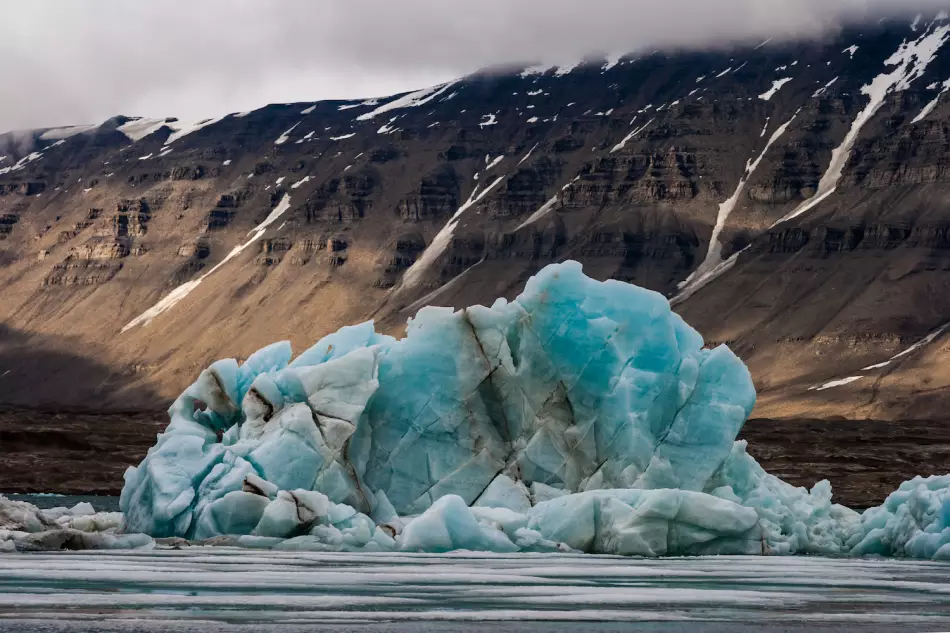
<point>705,273</point>
<point>776,86</point>
<point>909,61</point>
<point>411,100</point>
<point>175,296</point>
<point>283,138</point>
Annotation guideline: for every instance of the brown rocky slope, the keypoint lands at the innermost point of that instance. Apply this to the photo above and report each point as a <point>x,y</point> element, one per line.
<point>456,195</point>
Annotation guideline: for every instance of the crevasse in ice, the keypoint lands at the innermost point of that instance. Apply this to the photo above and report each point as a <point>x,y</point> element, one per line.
<point>582,416</point>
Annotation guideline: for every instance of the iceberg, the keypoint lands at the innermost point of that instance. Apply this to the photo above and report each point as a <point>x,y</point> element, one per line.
<point>582,416</point>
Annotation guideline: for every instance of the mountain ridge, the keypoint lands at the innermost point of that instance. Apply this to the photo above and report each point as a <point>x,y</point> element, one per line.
<point>456,194</point>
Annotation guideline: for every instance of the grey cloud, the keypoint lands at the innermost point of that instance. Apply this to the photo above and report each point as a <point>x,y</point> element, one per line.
<point>82,61</point>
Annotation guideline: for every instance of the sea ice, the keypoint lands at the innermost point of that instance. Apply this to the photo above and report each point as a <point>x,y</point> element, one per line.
<point>913,522</point>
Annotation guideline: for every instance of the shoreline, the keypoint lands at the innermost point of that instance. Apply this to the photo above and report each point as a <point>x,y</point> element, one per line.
<point>86,453</point>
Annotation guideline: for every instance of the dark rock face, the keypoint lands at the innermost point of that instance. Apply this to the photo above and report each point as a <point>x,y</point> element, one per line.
<point>461,196</point>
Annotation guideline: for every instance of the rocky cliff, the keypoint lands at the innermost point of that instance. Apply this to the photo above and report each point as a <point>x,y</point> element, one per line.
<point>792,199</point>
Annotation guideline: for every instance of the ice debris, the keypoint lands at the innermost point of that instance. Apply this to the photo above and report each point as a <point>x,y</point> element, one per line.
<point>582,416</point>
<point>23,527</point>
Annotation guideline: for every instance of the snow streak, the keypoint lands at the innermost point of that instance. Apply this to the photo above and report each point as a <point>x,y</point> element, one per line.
<point>175,296</point>
<point>713,265</point>
<point>910,62</point>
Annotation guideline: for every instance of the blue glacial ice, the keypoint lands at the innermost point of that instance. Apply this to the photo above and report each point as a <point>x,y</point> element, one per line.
<point>582,416</point>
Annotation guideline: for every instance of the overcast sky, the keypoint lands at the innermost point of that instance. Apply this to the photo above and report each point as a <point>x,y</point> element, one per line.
<point>82,61</point>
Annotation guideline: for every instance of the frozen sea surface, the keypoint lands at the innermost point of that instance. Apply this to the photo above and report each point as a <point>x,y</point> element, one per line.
<point>210,589</point>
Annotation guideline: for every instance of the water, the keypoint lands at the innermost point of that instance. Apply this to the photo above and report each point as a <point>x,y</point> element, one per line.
<point>46,501</point>
<point>212,589</point>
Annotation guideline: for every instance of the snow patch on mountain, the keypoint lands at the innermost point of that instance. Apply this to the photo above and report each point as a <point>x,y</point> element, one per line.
<point>933,104</point>
<point>440,242</point>
<point>528,155</point>
<point>23,162</point>
<point>910,61</point>
<point>363,104</point>
<point>836,383</point>
<point>540,213</point>
<point>713,261</point>
<point>611,62</point>
<point>927,340</point>
<point>137,129</point>
<point>62,133</point>
<point>182,130</point>
<point>300,182</point>
<point>283,138</point>
<point>629,137</point>
<point>824,88</point>
<point>174,297</point>
<point>776,86</point>
<point>411,100</point>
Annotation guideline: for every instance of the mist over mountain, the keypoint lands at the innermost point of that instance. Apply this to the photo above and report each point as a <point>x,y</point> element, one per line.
<point>72,63</point>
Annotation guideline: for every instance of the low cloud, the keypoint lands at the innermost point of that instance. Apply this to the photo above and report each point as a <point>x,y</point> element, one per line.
<point>86,60</point>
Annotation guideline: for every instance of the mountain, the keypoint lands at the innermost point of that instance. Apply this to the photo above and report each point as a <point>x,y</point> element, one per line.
<point>792,199</point>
